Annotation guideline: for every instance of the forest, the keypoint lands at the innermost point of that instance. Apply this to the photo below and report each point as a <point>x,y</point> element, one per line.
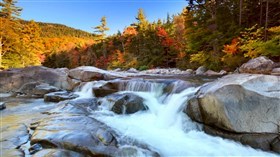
<point>218,34</point>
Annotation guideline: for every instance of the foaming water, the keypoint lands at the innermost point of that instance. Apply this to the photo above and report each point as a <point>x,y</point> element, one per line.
<point>142,86</point>
<point>85,91</point>
<point>169,131</point>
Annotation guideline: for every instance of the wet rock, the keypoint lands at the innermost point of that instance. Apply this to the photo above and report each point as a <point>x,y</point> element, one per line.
<point>75,133</point>
<point>13,79</point>
<point>177,86</point>
<point>134,151</point>
<point>259,65</point>
<point>193,110</point>
<point>57,153</point>
<point>2,105</point>
<point>275,71</point>
<point>59,96</point>
<point>36,89</point>
<point>262,141</point>
<point>201,70</point>
<point>78,106</point>
<point>88,73</point>
<point>106,89</point>
<point>275,144</point>
<point>12,137</point>
<point>105,137</point>
<point>35,148</point>
<point>126,103</point>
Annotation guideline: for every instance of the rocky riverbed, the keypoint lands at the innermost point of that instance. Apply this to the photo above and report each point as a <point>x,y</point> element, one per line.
<point>87,111</point>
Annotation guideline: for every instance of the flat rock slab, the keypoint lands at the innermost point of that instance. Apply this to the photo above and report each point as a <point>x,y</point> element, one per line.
<point>89,73</point>
<point>12,137</point>
<point>76,133</point>
<point>57,153</point>
<point>59,96</point>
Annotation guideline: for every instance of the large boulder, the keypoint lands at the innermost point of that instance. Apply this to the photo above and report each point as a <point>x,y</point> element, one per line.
<point>126,103</point>
<point>88,73</point>
<point>13,79</point>
<point>259,65</point>
<point>239,104</point>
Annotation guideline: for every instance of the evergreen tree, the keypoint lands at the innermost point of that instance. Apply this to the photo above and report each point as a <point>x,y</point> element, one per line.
<point>101,29</point>
<point>9,10</point>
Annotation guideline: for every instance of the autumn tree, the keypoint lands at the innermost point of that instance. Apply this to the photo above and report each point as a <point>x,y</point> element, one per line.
<point>10,29</point>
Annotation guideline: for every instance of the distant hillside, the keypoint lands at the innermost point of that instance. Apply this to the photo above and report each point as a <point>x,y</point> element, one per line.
<point>59,30</point>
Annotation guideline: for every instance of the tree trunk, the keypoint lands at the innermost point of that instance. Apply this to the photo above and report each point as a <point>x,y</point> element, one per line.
<point>266,21</point>
<point>1,54</point>
<point>261,11</point>
<point>240,12</point>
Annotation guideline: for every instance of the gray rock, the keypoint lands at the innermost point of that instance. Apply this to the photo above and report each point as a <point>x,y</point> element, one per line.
<point>132,70</point>
<point>241,103</point>
<point>78,106</point>
<point>201,70</point>
<point>2,105</point>
<point>275,145</point>
<point>211,73</point>
<point>57,153</point>
<point>126,103</point>
<point>259,65</point>
<point>222,72</point>
<point>275,71</point>
<point>35,148</point>
<point>88,73</point>
<point>76,133</point>
<point>264,141</point>
<point>105,89</point>
<point>36,89</point>
<point>243,107</point>
<point>190,71</point>
<point>13,79</point>
<point>59,96</point>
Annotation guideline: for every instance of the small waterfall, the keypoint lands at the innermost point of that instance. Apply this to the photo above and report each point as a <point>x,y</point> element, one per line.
<point>85,91</point>
<point>164,127</point>
<point>170,132</point>
<point>142,86</point>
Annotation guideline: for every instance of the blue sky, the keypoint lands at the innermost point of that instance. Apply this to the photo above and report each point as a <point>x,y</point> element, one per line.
<point>85,14</point>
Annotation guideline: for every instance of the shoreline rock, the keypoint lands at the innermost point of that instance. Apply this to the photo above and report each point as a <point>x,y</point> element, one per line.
<point>243,104</point>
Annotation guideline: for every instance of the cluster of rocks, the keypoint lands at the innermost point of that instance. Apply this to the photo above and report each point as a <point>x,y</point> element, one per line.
<point>243,107</point>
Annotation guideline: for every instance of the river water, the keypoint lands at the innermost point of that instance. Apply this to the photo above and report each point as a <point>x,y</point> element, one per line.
<point>164,127</point>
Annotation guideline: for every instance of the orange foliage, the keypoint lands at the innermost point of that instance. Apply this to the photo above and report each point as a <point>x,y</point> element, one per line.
<point>120,56</point>
<point>233,47</point>
<point>130,31</point>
